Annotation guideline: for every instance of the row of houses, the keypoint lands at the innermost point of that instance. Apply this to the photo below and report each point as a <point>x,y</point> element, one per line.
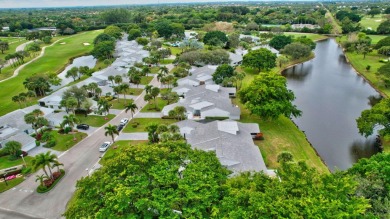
<point>205,101</point>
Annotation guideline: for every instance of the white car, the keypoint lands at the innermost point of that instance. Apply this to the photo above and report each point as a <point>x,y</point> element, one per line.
<point>104,146</point>
<point>124,121</point>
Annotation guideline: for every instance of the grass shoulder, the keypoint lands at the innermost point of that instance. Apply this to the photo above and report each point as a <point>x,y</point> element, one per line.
<point>140,124</point>
<point>66,141</point>
<point>11,184</point>
<point>151,106</point>
<point>94,120</point>
<point>5,162</point>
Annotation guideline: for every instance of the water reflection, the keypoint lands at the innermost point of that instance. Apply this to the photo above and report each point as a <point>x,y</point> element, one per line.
<point>374,99</point>
<point>332,96</point>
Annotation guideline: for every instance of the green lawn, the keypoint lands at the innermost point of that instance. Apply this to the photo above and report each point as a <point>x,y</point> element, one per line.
<point>133,91</point>
<point>113,150</point>
<point>66,141</point>
<point>374,38</point>
<point>174,50</point>
<point>150,107</point>
<point>312,36</point>
<point>11,184</point>
<point>120,104</point>
<point>154,70</point>
<point>145,80</point>
<point>55,58</point>
<point>95,121</point>
<point>282,135</point>
<point>144,122</point>
<point>6,163</point>
<point>371,59</point>
<point>373,23</point>
<point>13,43</point>
<point>166,61</point>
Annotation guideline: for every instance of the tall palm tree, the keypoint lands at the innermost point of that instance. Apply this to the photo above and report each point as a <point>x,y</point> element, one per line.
<point>118,79</point>
<point>145,71</point>
<point>98,91</point>
<point>117,90</point>
<point>131,106</point>
<point>44,160</point>
<point>124,88</point>
<point>164,70</point>
<point>40,178</point>
<point>112,79</point>
<point>111,130</point>
<point>57,164</point>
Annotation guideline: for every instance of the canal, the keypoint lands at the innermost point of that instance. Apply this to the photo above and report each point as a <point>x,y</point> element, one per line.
<point>331,96</point>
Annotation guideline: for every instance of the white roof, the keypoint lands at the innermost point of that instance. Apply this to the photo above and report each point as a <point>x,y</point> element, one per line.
<point>186,130</point>
<point>181,90</point>
<point>215,112</point>
<point>201,105</point>
<point>204,77</point>
<point>228,127</point>
<point>213,87</point>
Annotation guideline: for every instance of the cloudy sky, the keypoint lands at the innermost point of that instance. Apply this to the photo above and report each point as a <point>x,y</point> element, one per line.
<point>62,3</point>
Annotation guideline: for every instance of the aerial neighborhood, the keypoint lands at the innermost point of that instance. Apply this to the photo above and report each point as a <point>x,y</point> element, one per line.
<point>194,110</point>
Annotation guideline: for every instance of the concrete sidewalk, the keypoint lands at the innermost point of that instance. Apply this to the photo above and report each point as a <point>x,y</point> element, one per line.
<point>133,136</point>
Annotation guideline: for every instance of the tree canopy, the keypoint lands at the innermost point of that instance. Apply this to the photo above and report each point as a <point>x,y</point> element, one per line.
<point>260,59</point>
<point>268,97</point>
<point>377,116</point>
<point>296,50</point>
<point>223,71</point>
<point>215,38</point>
<point>280,41</point>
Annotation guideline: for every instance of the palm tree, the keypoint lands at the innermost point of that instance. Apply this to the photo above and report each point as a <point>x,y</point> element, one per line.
<point>131,106</point>
<point>71,121</point>
<point>57,164</point>
<point>16,99</point>
<point>112,79</point>
<point>44,160</point>
<point>118,79</point>
<point>111,130</point>
<point>98,91</point>
<point>164,70</point>
<point>145,70</point>
<point>124,88</point>
<point>117,90</point>
<point>40,178</point>
<point>104,105</point>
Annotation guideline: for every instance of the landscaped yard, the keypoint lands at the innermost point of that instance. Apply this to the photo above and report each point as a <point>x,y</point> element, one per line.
<point>144,122</point>
<point>145,80</point>
<point>133,91</point>
<point>6,163</point>
<point>11,183</point>
<point>66,141</point>
<point>54,60</point>
<point>95,121</point>
<point>150,107</point>
<point>174,50</point>
<point>113,150</point>
<point>166,61</point>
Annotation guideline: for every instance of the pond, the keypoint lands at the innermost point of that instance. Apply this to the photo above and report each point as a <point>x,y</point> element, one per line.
<point>331,96</point>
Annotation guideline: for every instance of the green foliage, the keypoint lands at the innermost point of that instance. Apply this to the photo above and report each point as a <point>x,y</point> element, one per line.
<point>298,192</point>
<point>373,176</point>
<point>214,57</point>
<point>215,38</point>
<point>384,27</point>
<point>384,73</point>
<point>151,181</point>
<point>383,42</point>
<point>268,97</point>
<point>341,15</point>
<point>134,34</point>
<point>306,41</point>
<point>384,50</point>
<point>103,50</point>
<point>102,37</point>
<point>223,71</point>
<point>261,59</point>
<point>142,41</point>
<point>113,16</point>
<point>113,31</point>
<point>296,50</point>
<point>13,148</point>
<point>378,115</point>
<point>280,41</point>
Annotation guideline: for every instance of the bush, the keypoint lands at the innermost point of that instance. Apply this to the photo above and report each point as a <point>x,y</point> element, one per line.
<point>3,153</point>
<point>142,41</point>
<point>50,144</point>
<point>67,130</point>
<point>134,124</point>
<point>26,170</point>
<point>368,67</point>
<point>47,136</point>
<point>51,183</point>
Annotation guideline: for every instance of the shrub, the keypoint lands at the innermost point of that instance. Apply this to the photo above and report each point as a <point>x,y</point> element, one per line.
<point>368,67</point>
<point>67,130</point>
<point>39,136</point>
<point>49,183</point>
<point>3,153</point>
<point>50,144</point>
<point>47,136</point>
<point>26,170</point>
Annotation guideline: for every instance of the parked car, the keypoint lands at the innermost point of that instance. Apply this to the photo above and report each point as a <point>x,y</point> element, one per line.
<point>124,121</point>
<point>83,126</point>
<point>104,146</point>
<point>119,127</point>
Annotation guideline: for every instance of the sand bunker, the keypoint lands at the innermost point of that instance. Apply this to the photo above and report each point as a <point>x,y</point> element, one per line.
<point>86,44</point>
<point>63,43</point>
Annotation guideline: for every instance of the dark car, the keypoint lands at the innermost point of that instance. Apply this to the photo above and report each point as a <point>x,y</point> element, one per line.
<point>119,127</point>
<point>83,126</point>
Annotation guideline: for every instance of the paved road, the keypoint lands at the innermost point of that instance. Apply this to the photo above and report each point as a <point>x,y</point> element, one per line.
<point>85,155</point>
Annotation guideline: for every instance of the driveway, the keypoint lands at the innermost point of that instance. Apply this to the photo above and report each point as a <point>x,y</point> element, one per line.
<point>23,202</point>
<point>148,115</point>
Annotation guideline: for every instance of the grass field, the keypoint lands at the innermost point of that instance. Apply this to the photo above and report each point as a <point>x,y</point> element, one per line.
<point>55,59</point>
<point>312,36</point>
<point>133,91</point>
<point>150,107</point>
<point>174,50</point>
<point>66,141</point>
<point>371,59</point>
<point>113,150</point>
<point>6,163</point>
<point>374,38</point>
<point>373,23</point>
<point>145,80</point>
<point>144,122</point>
<point>95,121</point>
<point>13,43</point>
